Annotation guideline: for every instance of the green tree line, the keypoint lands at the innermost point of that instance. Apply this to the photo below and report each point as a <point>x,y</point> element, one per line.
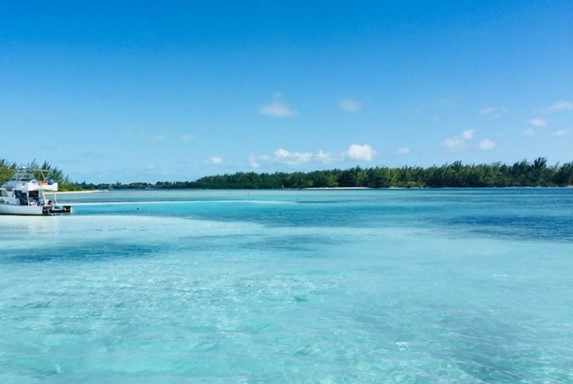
<point>456,175</point>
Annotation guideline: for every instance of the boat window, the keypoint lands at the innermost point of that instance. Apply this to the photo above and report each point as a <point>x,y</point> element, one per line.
<point>3,192</point>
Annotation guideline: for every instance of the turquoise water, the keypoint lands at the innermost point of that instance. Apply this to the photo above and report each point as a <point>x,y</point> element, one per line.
<point>368,286</point>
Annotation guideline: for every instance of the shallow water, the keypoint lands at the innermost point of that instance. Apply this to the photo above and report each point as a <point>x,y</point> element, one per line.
<point>393,286</point>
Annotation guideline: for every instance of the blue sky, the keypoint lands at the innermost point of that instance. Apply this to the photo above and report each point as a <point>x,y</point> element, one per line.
<point>174,90</point>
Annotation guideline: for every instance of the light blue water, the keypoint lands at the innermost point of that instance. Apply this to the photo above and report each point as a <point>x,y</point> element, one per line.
<point>393,286</point>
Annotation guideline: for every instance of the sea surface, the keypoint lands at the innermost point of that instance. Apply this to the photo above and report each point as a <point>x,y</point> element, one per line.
<point>310,286</point>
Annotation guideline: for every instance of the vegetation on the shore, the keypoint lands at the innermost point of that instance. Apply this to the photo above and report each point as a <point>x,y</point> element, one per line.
<point>456,175</point>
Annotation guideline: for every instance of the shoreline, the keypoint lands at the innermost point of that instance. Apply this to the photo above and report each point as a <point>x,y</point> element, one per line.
<point>70,192</point>
<point>333,188</point>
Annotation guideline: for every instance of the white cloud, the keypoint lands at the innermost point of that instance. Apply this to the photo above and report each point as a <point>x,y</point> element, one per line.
<point>146,136</point>
<point>254,162</point>
<point>559,133</point>
<point>529,132</point>
<point>286,157</point>
<point>485,111</point>
<point>458,143</point>
<point>215,160</point>
<point>187,137</point>
<point>361,152</point>
<point>446,103</point>
<point>493,113</point>
<point>292,158</point>
<point>151,137</point>
<point>560,106</point>
<point>328,157</point>
<point>538,122</point>
<point>278,108</point>
<point>486,145</point>
<point>468,134</point>
<point>350,105</point>
<point>403,151</point>
<point>453,143</point>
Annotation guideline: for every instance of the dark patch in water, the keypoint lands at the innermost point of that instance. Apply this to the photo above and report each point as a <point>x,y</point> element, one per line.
<point>519,227</point>
<point>90,252</point>
<point>291,243</point>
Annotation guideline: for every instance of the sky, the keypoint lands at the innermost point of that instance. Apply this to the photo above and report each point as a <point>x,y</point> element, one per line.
<point>167,90</point>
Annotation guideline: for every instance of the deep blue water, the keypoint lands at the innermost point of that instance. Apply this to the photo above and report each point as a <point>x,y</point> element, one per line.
<point>321,286</point>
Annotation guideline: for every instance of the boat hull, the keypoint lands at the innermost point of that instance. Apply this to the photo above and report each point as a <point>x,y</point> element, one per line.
<point>27,210</point>
<point>22,210</point>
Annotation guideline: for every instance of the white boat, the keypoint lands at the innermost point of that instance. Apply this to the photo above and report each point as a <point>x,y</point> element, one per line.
<point>24,195</point>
